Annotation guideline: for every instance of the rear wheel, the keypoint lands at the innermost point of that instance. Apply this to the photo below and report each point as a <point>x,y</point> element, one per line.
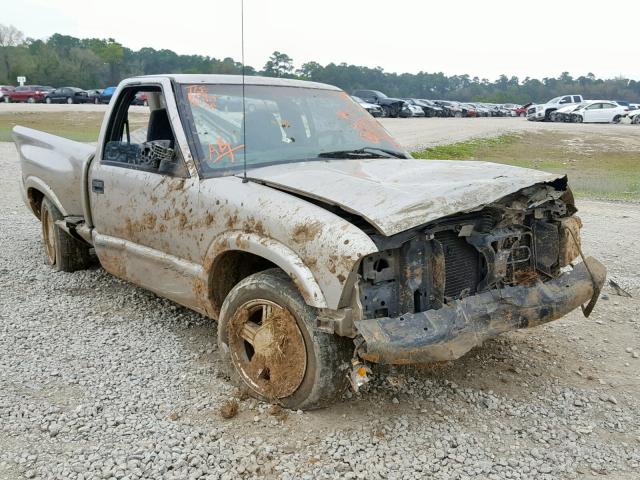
<point>636,120</point>
<point>69,100</point>
<point>269,343</point>
<point>61,251</point>
<point>47,100</point>
<point>7,100</point>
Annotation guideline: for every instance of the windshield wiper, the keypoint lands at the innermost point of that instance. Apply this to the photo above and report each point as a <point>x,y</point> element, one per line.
<point>375,151</point>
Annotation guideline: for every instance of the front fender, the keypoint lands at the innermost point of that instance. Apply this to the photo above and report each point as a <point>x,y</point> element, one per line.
<point>275,252</point>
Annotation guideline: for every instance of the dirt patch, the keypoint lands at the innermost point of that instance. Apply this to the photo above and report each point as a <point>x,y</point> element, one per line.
<point>229,409</point>
<point>306,232</point>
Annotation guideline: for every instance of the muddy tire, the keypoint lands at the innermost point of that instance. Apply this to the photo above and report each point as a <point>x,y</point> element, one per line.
<point>61,250</point>
<point>269,344</point>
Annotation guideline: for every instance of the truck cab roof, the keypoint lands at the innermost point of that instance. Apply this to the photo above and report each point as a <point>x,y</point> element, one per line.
<point>233,80</point>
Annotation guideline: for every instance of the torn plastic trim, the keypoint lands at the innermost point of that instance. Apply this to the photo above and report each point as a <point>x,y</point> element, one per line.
<point>451,331</point>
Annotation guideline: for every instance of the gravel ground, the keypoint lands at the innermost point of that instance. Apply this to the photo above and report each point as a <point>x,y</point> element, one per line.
<point>100,379</point>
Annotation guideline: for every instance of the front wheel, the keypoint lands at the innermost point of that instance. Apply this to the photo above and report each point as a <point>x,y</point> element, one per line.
<point>636,120</point>
<point>617,119</point>
<point>269,343</point>
<point>61,251</point>
<point>47,100</point>
<point>578,119</point>
<point>31,100</point>
<point>69,101</point>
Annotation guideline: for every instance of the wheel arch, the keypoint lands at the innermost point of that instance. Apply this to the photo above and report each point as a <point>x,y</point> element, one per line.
<point>235,255</point>
<point>36,190</point>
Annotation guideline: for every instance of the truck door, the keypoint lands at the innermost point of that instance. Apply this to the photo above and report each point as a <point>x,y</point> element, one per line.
<point>142,194</point>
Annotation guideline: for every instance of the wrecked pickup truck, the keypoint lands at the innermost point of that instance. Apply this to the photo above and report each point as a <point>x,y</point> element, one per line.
<point>286,212</point>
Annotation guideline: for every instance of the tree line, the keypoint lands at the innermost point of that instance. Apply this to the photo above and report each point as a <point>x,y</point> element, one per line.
<point>95,63</point>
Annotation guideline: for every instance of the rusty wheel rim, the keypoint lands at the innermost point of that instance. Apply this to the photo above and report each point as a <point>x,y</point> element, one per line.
<point>267,348</point>
<point>48,236</point>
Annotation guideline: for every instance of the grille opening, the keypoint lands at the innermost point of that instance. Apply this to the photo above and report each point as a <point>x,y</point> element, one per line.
<point>381,312</point>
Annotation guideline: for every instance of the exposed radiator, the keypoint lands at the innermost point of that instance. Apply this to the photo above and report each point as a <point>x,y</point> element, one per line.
<point>462,264</point>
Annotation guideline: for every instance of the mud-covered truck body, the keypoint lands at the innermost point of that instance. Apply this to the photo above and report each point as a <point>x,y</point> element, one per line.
<point>286,212</point>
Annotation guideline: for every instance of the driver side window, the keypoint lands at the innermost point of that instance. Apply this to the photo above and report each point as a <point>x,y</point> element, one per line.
<point>140,135</point>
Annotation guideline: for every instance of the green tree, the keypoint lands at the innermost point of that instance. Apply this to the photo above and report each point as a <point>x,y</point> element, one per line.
<point>10,37</point>
<point>278,65</point>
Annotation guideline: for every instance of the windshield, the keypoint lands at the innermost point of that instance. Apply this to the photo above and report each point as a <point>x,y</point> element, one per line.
<point>283,125</point>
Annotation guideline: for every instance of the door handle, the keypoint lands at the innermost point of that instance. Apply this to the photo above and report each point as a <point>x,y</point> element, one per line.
<point>97,186</point>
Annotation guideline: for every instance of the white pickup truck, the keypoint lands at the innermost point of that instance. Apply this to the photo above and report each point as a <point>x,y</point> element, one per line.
<point>329,248</point>
<point>542,112</point>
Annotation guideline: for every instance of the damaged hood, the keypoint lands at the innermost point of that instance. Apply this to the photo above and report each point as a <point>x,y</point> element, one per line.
<point>398,194</point>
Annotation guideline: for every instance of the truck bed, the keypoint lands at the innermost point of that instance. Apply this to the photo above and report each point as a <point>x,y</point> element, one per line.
<point>54,166</point>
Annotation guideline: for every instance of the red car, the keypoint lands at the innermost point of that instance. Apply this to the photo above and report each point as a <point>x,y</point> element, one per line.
<point>29,94</point>
<point>522,111</point>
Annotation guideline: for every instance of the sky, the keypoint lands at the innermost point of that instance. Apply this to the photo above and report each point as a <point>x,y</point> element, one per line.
<point>540,38</point>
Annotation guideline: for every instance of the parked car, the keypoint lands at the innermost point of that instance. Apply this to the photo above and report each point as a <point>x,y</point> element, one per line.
<point>5,90</point>
<point>392,106</point>
<point>634,116</point>
<point>471,109</point>
<point>411,110</point>
<point>543,112</point>
<point>428,109</point>
<point>94,95</point>
<point>28,94</point>
<point>308,266</point>
<point>437,110</point>
<point>482,110</point>
<point>599,111</point>
<point>141,99</point>
<point>106,94</point>
<point>452,109</point>
<point>563,114</point>
<point>373,109</point>
<point>522,110</point>
<point>67,95</point>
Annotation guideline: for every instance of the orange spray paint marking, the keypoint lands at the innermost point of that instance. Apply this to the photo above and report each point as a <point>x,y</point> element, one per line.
<point>367,130</point>
<point>199,96</point>
<point>222,149</point>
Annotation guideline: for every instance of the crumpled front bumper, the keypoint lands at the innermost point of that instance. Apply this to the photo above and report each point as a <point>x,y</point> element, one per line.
<point>451,331</point>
